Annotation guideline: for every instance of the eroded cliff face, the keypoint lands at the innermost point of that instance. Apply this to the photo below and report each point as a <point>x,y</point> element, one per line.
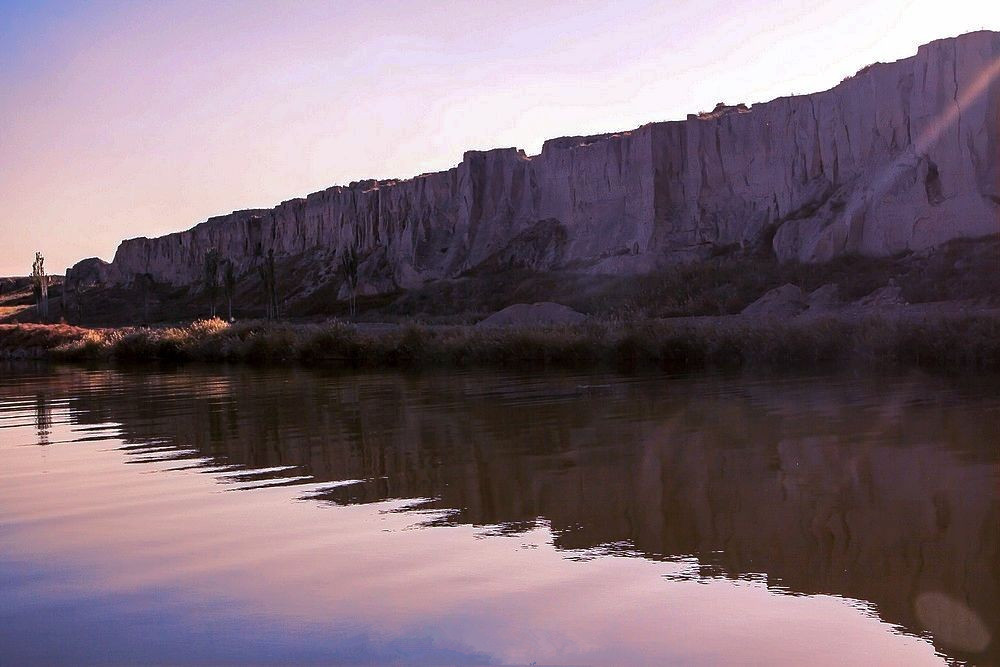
<point>902,156</point>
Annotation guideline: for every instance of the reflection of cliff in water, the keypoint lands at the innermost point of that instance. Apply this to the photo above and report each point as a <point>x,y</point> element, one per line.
<point>884,491</point>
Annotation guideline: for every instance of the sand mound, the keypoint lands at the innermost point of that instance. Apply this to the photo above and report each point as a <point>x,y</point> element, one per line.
<point>784,301</point>
<point>891,295</point>
<point>535,314</point>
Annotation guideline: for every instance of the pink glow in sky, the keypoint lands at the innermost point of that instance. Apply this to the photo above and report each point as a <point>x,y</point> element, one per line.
<point>138,119</point>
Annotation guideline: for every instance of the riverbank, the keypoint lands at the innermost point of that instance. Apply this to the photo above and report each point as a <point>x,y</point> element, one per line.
<point>948,339</point>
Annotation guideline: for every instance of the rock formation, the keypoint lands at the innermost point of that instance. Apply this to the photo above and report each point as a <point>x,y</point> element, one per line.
<point>901,156</point>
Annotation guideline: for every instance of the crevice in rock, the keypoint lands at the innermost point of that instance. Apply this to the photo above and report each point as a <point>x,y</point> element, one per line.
<point>932,184</point>
<point>954,70</point>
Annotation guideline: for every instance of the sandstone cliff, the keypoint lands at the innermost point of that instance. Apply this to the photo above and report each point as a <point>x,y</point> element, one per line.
<point>901,156</point>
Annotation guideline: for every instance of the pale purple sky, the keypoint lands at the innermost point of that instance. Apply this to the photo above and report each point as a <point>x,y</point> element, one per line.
<point>138,119</point>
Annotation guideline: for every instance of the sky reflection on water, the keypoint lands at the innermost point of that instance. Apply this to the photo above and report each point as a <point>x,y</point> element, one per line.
<point>211,515</point>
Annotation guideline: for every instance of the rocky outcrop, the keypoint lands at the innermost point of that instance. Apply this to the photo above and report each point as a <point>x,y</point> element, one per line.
<point>901,156</point>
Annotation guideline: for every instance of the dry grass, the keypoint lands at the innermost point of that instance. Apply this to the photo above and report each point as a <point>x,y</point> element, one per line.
<point>36,340</point>
<point>12,313</point>
<point>959,342</point>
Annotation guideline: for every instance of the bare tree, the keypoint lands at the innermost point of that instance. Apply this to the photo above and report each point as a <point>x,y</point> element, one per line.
<point>72,300</point>
<point>349,262</point>
<point>40,285</point>
<point>274,283</point>
<point>229,284</point>
<point>266,271</point>
<point>212,277</point>
<point>145,284</point>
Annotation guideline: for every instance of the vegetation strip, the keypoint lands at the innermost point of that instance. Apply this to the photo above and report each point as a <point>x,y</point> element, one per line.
<point>956,342</point>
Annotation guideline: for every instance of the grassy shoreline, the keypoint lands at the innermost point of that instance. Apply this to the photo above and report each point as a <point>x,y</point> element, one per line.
<point>955,341</point>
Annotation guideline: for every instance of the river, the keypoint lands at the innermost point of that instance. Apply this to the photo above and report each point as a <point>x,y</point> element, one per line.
<point>237,515</point>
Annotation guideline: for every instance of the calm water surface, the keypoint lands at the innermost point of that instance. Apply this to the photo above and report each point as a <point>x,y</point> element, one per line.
<point>214,515</point>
